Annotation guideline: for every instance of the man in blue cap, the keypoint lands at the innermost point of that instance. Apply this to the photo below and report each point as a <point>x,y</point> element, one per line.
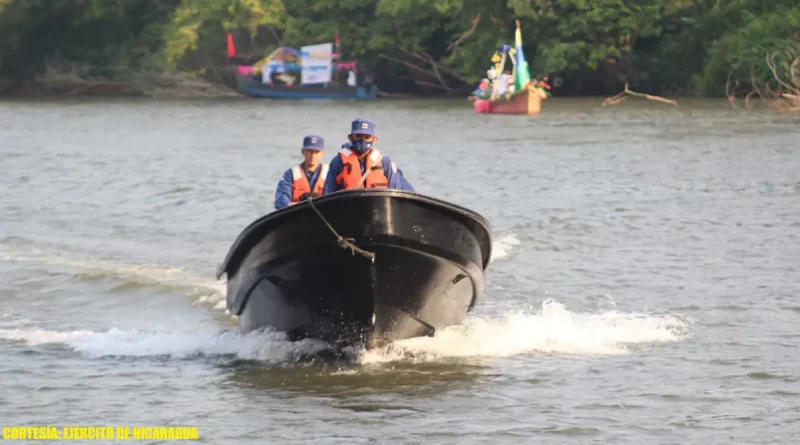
<point>361,165</point>
<point>305,180</point>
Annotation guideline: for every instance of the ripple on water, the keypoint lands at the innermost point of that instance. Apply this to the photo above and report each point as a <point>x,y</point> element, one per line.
<point>632,217</point>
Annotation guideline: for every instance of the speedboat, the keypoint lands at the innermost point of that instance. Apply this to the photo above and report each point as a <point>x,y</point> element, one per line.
<point>361,267</point>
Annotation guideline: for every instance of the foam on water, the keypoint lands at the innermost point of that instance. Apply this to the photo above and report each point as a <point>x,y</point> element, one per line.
<point>267,346</point>
<point>34,337</point>
<point>206,291</point>
<point>553,329</point>
<point>504,245</point>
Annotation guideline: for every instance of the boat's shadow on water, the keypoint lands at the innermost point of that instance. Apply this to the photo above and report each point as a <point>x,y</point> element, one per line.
<point>347,373</point>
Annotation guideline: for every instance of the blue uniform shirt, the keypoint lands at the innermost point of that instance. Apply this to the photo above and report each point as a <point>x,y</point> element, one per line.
<point>395,175</point>
<point>285,190</point>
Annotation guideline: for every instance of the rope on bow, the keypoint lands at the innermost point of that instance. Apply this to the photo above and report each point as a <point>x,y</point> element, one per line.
<point>344,243</point>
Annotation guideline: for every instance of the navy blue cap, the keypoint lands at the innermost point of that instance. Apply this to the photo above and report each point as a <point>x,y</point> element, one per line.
<point>363,126</point>
<point>313,142</point>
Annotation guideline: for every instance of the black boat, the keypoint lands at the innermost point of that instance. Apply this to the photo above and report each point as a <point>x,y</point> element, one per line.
<point>358,267</point>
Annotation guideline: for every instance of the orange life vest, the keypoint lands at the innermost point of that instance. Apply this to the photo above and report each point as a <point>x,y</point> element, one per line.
<point>300,184</point>
<point>350,177</point>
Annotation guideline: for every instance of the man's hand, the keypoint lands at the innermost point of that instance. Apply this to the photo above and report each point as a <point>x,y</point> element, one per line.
<point>307,195</point>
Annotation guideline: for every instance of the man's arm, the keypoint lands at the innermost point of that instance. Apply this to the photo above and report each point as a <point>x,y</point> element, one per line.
<point>396,178</point>
<point>334,169</point>
<point>284,191</point>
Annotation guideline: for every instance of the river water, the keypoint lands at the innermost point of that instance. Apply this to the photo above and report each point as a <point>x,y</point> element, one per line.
<point>644,286</point>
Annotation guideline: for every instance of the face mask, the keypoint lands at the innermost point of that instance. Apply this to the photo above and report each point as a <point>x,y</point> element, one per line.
<point>361,146</point>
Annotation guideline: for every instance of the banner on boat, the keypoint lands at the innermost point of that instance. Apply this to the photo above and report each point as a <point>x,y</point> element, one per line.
<point>317,63</point>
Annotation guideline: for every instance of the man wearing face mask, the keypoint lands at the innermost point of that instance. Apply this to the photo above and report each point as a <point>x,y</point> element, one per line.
<point>304,180</point>
<point>360,165</point>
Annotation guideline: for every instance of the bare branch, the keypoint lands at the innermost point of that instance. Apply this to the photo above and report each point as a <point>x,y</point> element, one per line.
<point>431,84</point>
<point>619,97</point>
<point>382,93</point>
<point>784,98</point>
<point>756,90</point>
<point>436,71</point>
<point>728,93</point>
<point>452,47</point>
<point>428,59</point>
<point>747,98</point>
<point>771,64</point>
<point>410,53</point>
<point>407,64</point>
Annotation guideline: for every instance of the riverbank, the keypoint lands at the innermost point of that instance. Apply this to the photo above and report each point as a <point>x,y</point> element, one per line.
<point>155,86</point>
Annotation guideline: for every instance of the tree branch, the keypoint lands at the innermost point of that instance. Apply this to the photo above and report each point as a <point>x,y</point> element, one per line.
<point>756,90</point>
<point>436,71</point>
<point>452,47</point>
<point>728,93</point>
<point>771,64</point>
<point>407,64</point>
<point>421,70</point>
<point>430,60</point>
<point>434,85</point>
<point>619,97</point>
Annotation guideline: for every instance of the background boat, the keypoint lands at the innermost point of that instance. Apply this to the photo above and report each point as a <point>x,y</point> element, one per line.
<point>528,101</point>
<point>254,88</point>
<point>310,72</point>
<point>524,96</point>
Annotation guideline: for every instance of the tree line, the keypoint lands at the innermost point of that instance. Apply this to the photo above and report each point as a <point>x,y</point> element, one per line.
<point>586,47</point>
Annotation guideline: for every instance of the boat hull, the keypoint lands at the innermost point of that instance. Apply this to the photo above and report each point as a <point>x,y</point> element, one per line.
<point>256,89</point>
<point>286,271</point>
<point>527,102</point>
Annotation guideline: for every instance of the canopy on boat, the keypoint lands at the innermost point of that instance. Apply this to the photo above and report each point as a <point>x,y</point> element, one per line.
<point>313,64</point>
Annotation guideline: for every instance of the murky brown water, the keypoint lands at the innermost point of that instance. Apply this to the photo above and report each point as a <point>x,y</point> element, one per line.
<point>644,286</point>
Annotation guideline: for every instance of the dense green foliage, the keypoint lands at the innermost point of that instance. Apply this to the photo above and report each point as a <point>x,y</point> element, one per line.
<point>423,46</point>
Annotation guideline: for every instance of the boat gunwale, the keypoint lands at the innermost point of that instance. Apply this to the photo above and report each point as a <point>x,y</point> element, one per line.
<point>276,217</point>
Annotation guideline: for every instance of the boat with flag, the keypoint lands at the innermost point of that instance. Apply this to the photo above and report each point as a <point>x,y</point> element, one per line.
<point>514,92</point>
<point>310,72</point>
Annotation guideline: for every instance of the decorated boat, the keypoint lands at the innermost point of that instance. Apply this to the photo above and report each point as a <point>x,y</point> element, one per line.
<point>514,92</point>
<point>310,72</point>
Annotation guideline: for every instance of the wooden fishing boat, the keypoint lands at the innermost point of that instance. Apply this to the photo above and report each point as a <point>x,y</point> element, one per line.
<point>524,96</point>
<point>527,101</point>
